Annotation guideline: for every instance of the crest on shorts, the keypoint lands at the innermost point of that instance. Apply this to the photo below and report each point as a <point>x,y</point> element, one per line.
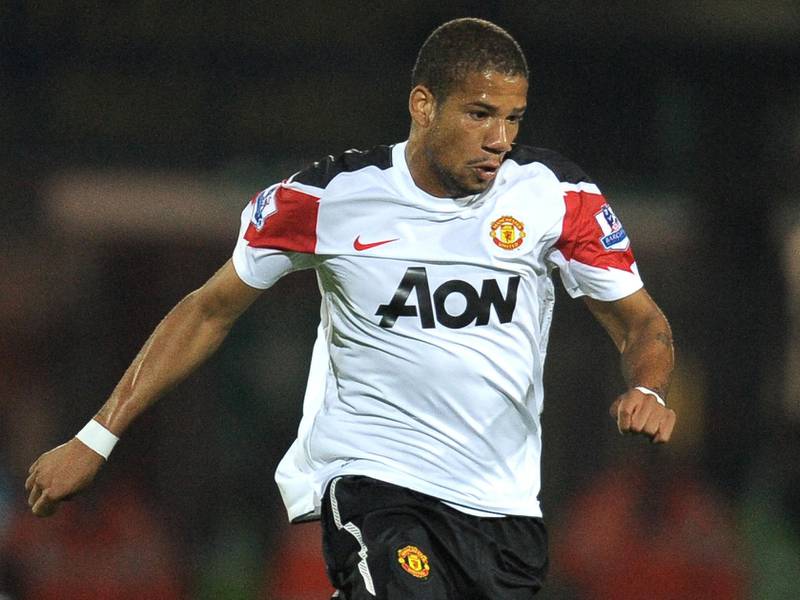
<point>264,207</point>
<point>507,232</point>
<point>414,562</point>
<point>614,236</point>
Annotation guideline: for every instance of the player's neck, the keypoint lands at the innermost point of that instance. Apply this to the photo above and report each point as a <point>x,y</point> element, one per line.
<point>422,171</point>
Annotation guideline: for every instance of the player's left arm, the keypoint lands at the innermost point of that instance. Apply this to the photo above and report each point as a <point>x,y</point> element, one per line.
<point>644,338</point>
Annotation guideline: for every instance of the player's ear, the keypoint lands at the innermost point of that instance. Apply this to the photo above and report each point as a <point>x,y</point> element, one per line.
<point>421,105</point>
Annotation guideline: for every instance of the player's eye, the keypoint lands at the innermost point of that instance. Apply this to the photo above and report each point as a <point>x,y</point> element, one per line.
<point>479,115</point>
<point>515,119</point>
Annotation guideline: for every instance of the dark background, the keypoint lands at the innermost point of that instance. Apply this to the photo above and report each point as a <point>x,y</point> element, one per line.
<point>133,133</point>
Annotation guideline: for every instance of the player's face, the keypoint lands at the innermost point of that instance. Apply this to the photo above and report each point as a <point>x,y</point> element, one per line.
<point>471,131</point>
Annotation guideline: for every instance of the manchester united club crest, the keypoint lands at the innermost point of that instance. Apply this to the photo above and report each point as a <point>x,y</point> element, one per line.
<point>414,562</point>
<point>508,233</point>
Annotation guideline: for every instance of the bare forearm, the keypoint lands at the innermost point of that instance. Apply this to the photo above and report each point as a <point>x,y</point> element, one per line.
<point>183,340</point>
<point>648,356</point>
<point>187,336</point>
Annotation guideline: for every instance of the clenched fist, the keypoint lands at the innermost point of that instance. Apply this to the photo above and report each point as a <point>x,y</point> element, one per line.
<point>639,413</point>
<point>60,473</point>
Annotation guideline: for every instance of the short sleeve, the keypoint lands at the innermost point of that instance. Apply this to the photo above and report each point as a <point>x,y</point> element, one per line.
<point>593,253</point>
<point>277,235</point>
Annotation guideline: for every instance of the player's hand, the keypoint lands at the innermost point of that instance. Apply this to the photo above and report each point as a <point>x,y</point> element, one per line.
<point>58,474</point>
<point>640,413</point>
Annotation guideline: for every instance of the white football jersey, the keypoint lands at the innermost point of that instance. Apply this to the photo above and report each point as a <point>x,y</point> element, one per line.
<point>427,370</point>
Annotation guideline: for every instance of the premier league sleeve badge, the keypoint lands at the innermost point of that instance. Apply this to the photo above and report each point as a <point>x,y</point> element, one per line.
<point>263,206</point>
<point>614,236</point>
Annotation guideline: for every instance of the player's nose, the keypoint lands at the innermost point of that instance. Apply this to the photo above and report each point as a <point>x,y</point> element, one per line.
<point>498,137</point>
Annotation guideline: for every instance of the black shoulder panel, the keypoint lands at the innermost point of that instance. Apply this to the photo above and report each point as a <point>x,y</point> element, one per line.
<point>323,171</point>
<point>566,170</point>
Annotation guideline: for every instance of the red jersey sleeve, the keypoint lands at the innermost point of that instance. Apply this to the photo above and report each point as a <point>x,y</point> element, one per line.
<point>593,251</point>
<point>283,218</point>
<point>278,234</point>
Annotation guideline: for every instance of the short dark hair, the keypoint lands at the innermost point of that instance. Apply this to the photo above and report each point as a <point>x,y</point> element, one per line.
<point>463,46</point>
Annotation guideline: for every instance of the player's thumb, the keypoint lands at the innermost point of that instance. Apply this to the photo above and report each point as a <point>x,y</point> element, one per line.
<point>613,410</point>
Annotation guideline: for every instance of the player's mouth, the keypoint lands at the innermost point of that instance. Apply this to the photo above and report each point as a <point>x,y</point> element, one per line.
<point>486,171</point>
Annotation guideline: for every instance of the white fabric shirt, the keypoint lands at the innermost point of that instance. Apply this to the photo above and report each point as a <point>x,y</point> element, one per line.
<point>427,369</point>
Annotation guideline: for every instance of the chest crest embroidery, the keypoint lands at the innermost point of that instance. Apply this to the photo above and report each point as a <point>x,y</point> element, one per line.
<point>507,232</point>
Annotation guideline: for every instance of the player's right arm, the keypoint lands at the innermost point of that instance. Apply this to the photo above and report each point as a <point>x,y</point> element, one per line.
<point>185,338</point>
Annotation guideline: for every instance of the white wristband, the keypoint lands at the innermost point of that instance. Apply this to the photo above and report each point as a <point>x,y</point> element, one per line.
<point>650,392</point>
<point>98,438</point>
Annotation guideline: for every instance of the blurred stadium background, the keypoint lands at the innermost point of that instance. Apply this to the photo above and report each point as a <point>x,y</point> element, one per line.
<point>133,133</point>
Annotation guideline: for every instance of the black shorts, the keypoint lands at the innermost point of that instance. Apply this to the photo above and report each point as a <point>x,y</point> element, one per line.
<point>391,543</point>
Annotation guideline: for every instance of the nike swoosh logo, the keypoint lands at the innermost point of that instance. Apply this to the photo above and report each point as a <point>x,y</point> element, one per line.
<point>359,246</point>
